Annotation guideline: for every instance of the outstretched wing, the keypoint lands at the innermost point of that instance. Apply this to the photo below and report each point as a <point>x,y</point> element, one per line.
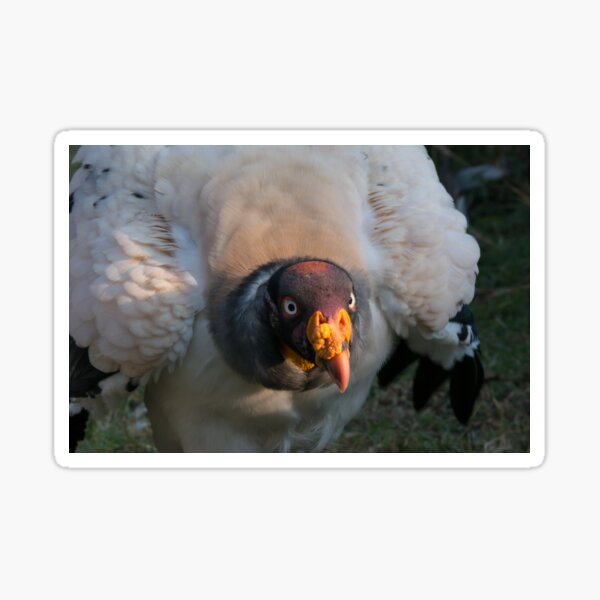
<point>425,262</point>
<point>136,272</point>
<point>425,265</point>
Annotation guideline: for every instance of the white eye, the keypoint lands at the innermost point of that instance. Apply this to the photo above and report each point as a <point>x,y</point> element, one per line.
<point>290,307</point>
<point>352,301</point>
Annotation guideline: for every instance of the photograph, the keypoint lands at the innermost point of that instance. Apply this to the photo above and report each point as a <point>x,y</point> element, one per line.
<point>328,298</point>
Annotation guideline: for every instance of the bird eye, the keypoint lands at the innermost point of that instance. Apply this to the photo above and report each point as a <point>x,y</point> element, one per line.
<point>290,308</point>
<point>352,301</point>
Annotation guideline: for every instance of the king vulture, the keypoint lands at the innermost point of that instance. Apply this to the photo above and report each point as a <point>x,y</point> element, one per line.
<point>258,292</point>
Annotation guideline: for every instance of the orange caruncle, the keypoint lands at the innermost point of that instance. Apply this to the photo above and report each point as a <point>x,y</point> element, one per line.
<point>327,338</point>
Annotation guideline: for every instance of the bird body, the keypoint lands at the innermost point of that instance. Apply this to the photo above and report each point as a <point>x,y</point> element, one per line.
<point>259,290</point>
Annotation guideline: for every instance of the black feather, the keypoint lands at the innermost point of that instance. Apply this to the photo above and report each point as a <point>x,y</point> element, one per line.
<point>465,384</point>
<point>466,376</point>
<point>77,425</point>
<point>83,377</point>
<point>464,316</point>
<point>428,378</point>
<point>402,357</point>
<point>83,382</point>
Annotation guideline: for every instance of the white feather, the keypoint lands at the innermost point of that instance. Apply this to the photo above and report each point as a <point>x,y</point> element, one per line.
<point>151,227</point>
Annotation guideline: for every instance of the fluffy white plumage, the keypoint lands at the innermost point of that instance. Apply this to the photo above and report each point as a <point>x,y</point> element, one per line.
<point>156,232</point>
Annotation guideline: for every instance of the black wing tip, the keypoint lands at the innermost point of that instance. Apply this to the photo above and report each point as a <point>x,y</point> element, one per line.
<point>464,316</point>
<point>77,427</point>
<point>83,376</point>
<point>428,378</point>
<point>466,382</point>
<point>402,358</point>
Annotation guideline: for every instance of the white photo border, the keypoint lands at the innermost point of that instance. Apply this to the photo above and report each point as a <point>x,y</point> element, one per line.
<point>217,137</point>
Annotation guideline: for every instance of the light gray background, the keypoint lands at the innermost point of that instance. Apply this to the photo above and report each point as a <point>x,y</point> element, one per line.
<point>410,534</point>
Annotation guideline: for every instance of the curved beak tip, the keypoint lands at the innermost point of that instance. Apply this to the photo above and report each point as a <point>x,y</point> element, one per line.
<point>327,336</point>
<point>338,368</point>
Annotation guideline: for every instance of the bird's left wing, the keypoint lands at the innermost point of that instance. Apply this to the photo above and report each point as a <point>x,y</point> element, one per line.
<point>424,266</point>
<point>424,262</point>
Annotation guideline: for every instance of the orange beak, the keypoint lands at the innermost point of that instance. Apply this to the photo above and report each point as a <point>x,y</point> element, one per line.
<point>330,339</point>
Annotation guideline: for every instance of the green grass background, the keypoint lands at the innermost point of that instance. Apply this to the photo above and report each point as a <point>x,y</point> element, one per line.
<point>499,220</point>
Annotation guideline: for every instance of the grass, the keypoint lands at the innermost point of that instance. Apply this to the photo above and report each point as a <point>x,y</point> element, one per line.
<point>499,220</point>
<point>126,429</point>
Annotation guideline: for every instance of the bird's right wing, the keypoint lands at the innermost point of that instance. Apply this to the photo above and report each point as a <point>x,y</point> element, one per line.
<point>137,273</point>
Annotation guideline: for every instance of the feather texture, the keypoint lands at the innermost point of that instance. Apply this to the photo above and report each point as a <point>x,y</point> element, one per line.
<point>162,236</point>
<point>135,278</point>
<point>428,261</point>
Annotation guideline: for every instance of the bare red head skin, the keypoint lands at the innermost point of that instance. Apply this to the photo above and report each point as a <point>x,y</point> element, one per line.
<point>312,304</point>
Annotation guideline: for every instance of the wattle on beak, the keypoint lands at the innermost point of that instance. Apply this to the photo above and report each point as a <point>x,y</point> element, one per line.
<point>330,339</point>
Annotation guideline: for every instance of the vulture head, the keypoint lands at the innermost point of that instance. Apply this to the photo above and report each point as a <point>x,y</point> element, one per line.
<point>292,325</point>
<point>311,303</point>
